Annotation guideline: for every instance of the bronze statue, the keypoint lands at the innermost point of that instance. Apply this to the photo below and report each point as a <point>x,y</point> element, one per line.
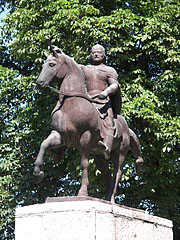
<point>76,121</point>
<point>101,83</point>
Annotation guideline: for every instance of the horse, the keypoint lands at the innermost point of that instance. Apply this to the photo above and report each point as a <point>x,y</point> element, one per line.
<point>75,123</point>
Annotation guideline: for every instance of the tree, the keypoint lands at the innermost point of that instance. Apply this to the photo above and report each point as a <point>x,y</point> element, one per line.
<point>142,43</point>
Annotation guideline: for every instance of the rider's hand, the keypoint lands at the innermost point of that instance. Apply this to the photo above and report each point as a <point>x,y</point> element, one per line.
<point>103,95</point>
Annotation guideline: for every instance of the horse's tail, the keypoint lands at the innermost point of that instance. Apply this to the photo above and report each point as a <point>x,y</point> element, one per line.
<point>136,150</point>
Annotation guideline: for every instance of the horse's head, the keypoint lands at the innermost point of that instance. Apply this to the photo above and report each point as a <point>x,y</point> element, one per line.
<point>53,68</point>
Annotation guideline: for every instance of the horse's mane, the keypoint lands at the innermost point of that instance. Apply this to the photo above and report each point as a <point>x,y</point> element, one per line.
<point>70,61</point>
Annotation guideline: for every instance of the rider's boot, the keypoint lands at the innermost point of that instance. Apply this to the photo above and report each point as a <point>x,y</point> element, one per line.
<point>105,147</point>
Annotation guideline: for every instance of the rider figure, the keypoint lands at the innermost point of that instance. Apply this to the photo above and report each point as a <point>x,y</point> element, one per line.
<point>101,83</point>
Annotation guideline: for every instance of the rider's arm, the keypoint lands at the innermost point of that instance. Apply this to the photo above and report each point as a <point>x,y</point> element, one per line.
<point>81,66</point>
<point>112,82</point>
<point>110,90</point>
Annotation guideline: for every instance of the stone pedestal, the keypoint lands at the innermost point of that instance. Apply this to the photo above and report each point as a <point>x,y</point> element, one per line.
<point>73,218</point>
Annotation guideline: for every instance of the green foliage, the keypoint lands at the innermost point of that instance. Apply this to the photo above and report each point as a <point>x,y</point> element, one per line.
<point>142,43</point>
<point>23,127</point>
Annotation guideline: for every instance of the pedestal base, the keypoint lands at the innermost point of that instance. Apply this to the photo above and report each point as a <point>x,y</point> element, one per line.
<point>73,218</point>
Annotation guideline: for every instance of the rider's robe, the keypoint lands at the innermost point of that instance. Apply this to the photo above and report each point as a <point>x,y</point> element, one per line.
<point>97,79</point>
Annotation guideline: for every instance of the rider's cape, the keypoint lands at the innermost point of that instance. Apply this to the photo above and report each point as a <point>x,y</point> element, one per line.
<point>116,101</point>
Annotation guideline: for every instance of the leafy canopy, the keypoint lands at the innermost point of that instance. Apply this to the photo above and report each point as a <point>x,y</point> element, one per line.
<point>142,43</point>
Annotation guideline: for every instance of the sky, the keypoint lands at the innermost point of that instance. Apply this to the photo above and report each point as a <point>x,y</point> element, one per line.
<point>2,15</point>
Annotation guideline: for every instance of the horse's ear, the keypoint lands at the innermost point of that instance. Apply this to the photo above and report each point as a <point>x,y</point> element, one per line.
<point>55,50</point>
<point>55,54</point>
<point>45,54</point>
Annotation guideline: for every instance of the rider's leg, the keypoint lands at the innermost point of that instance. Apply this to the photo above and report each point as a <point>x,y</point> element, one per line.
<point>108,132</point>
<point>106,146</point>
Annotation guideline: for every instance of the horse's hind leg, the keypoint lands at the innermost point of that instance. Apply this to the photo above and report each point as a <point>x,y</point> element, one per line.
<point>116,175</point>
<point>118,158</point>
<point>53,140</point>
<point>103,167</point>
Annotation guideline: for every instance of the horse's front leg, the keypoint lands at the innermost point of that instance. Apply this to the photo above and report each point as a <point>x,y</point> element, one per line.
<point>53,140</point>
<point>83,191</point>
<point>85,141</point>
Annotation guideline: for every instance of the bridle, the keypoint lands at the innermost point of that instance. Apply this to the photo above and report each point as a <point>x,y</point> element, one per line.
<point>75,94</point>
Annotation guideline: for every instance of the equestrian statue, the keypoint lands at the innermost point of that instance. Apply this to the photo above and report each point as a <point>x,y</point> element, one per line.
<point>87,117</point>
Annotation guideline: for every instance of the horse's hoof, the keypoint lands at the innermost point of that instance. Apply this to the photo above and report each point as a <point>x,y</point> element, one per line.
<point>82,193</point>
<point>39,177</point>
<point>108,198</point>
<point>112,200</point>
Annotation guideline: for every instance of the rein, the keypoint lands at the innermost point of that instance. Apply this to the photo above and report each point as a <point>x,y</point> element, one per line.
<point>75,94</point>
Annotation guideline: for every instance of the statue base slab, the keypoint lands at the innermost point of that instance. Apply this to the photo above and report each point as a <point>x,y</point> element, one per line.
<point>86,218</point>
